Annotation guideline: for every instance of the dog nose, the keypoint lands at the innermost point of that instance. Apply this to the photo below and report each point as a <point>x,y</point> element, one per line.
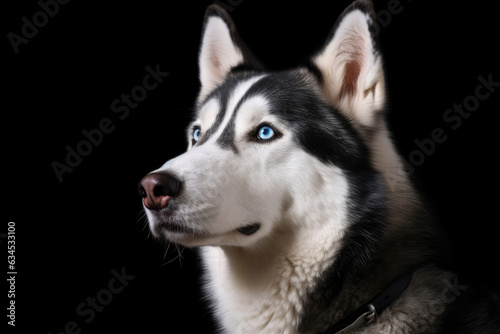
<point>157,189</point>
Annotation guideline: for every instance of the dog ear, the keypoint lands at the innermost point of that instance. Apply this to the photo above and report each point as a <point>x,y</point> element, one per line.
<point>221,50</point>
<point>351,65</point>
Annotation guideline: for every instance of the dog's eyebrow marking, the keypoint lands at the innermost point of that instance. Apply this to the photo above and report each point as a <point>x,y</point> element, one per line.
<point>226,137</point>
<point>229,98</point>
<point>223,98</point>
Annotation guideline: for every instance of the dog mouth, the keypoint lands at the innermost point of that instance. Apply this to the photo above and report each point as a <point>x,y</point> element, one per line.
<point>179,228</point>
<point>190,228</point>
<point>174,227</point>
<point>186,235</point>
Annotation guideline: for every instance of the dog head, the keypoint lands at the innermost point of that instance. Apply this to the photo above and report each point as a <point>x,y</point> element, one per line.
<point>272,153</point>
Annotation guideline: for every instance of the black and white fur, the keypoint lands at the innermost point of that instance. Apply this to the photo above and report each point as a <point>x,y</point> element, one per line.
<point>298,231</point>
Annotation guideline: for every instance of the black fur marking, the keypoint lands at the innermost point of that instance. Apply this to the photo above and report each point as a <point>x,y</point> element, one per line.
<point>246,67</point>
<point>222,97</point>
<point>226,139</point>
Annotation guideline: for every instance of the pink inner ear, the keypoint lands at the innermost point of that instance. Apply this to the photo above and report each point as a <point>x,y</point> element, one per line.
<point>351,74</point>
<point>216,64</point>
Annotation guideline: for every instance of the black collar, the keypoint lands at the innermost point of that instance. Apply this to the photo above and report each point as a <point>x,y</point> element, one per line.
<point>367,312</point>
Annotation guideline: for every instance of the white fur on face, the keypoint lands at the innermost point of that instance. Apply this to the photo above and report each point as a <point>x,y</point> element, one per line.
<point>207,116</point>
<point>223,190</point>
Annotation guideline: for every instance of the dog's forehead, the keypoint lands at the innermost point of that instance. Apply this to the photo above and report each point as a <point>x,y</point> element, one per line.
<point>237,90</point>
<point>252,110</point>
<point>231,107</point>
<point>291,97</point>
<point>208,112</point>
<point>226,97</point>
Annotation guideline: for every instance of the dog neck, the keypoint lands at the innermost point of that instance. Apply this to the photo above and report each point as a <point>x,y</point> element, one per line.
<point>262,289</point>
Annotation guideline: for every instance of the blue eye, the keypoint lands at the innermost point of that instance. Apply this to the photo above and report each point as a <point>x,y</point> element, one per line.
<point>196,134</point>
<point>265,133</point>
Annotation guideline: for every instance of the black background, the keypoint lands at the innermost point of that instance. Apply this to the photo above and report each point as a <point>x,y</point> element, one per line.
<point>72,234</point>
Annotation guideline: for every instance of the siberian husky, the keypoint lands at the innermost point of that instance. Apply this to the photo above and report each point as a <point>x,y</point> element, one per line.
<point>300,206</point>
